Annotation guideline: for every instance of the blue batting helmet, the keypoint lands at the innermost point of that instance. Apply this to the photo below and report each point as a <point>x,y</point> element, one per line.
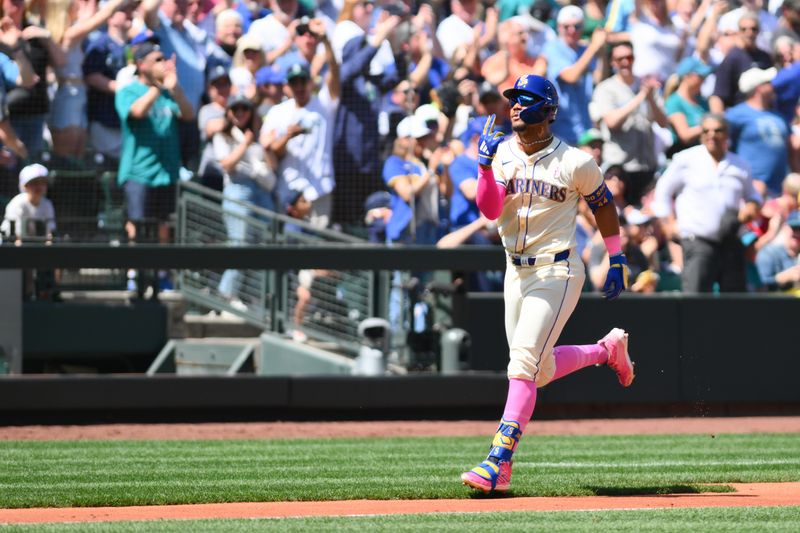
<point>537,95</point>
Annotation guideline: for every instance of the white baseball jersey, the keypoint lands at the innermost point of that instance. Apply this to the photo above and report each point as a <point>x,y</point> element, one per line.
<point>542,194</point>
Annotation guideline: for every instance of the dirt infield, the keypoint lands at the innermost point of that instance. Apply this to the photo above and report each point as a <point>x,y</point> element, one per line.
<point>746,495</point>
<point>313,430</point>
<point>755,494</point>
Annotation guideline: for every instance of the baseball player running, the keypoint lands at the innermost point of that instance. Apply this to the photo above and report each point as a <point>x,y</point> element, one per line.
<point>531,184</point>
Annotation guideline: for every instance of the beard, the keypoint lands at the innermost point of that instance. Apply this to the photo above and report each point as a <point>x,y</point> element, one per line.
<point>519,127</point>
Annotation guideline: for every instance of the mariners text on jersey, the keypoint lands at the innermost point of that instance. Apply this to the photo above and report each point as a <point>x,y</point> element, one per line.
<point>537,188</point>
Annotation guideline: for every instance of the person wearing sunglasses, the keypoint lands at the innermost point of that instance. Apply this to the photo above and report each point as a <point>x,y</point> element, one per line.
<point>745,55</point>
<point>572,65</point>
<point>531,183</point>
<point>713,194</point>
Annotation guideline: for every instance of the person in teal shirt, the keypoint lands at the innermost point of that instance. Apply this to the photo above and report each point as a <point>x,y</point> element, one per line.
<point>686,106</point>
<point>149,109</point>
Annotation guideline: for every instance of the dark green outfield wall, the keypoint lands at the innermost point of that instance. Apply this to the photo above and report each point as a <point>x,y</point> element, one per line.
<point>695,356</point>
<point>728,349</point>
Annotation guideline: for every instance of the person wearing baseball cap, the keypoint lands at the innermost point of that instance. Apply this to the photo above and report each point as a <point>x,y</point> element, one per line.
<point>686,106</point>
<point>298,133</point>
<point>413,186</point>
<point>569,65</point>
<point>591,142</point>
<point>30,213</point>
<point>758,133</point>
<point>270,81</point>
<point>149,109</point>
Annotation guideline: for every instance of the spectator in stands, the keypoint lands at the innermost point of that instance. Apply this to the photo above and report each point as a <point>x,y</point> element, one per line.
<point>227,31</point>
<point>30,216</point>
<point>212,120</point>
<point>787,87</point>
<point>275,33</point>
<point>512,60</point>
<point>30,213</point>
<point>491,102</point>
<point>105,57</point>
<point>304,48</point>
<point>766,21</point>
<point>686,106</point>
<point>569,64</point>
<point>70,22</point>
<point>708,224</point>
<point>789,21</point>
<point>618,16</point>
<point>633,235</point>
<point>464,174</point>
<point>776,211</point>
<point>246,61</point>
<point>299,133</point>
<point>356,163</point>
<point>181,38</point>
<point>428,70</point>
<point>28,106</point>
<point>252,11</point>
<point>745,55</point>
<point>463,25</point>
<point>149,109</point>
<point>758,134</point>
<point>688,18</point>
<point>657,44</point>
<point>378,209</point>
<point>591,142</point>
<point>778,263</point>
<point>467,226</point>
<point>14,73</point>
<point>626,108</point>
<point>415,187</point>
<point>269,89</point>
<point>249,180</point>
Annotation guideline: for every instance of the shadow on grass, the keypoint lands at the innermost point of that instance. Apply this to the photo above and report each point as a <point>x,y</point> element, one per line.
<point>658,490</point>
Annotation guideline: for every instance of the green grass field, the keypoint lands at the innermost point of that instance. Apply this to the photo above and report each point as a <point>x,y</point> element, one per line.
<point>99,473</point>
<point>762,519</point>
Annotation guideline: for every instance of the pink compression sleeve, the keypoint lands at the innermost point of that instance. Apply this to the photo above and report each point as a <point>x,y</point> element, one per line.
<point>490,194</point>
<point>520,401</point>
<point>613,244</point>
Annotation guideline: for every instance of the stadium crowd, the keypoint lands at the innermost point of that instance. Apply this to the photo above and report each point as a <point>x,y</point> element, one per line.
<point>370,111</point>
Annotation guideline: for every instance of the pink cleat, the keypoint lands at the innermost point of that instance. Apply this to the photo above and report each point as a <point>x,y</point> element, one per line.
<point>488,477</point>
<point>616,344</point>
<point>494,474</point>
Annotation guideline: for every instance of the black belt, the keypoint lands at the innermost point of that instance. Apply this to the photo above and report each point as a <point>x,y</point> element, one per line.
<point>530,260</point>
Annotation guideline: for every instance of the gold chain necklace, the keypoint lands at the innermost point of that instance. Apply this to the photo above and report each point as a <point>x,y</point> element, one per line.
<point>533,143</point>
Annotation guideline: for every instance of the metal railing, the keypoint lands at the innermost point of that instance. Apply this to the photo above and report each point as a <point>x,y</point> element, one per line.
<point>339,299</point>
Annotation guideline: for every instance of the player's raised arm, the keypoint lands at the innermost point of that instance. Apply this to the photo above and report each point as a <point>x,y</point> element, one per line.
<point>490,194</point>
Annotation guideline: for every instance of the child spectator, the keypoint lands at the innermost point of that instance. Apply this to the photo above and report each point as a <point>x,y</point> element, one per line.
<point>30,213</point>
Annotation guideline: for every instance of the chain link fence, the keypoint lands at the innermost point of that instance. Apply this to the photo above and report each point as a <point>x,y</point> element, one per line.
<point>323,305</point>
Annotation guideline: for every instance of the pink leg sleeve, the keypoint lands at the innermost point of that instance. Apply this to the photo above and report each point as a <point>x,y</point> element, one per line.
<point>490,194</point>
<point>572,358</point>
<point>520,402</point>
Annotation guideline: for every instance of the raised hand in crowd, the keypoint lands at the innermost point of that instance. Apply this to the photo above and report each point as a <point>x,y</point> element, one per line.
<point>384,28</point>
<point>170,80</point>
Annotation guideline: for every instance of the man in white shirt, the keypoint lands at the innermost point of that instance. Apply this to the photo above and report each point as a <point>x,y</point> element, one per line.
<point>299,131</point>
<point>714,193</point>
